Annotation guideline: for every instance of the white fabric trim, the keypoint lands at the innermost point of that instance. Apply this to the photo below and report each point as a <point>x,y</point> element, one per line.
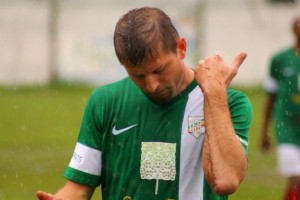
<point>288,156</point>
<point>191,171</point>
<point>242,141</point>
<point>86,159</point>
<point>271,85</point>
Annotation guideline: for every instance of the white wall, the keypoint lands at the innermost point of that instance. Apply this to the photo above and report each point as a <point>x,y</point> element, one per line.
<point>253,26</point>
<point>86,29</point>
<point>23,42</point>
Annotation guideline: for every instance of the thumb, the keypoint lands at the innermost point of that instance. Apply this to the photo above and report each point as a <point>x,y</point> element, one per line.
<point>238,60</point>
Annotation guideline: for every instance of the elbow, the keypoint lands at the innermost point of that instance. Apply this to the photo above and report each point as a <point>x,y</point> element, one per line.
<point>225,187</point>
<point>229,182</point>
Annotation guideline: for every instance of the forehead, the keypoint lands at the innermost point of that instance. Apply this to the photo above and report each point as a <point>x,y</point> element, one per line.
<point>150,66</point>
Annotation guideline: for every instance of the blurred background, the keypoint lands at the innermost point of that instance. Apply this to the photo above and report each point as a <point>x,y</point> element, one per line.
<point>55,52</point>
<point>44,40</point>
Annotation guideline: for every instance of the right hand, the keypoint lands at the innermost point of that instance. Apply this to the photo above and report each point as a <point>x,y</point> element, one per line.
<point>47,196</point>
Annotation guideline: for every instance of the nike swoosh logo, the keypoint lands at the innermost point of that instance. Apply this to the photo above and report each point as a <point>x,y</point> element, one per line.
<point>117,132</point>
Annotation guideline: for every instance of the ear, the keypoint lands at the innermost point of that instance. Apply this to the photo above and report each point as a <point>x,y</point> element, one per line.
<point>181,47</point>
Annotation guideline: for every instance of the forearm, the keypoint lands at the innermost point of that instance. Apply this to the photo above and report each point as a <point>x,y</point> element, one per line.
<point>72,195</point>
<point>224,159</point>
<point>268,109</point>
<point>74,191</point>
<point>70,191</point>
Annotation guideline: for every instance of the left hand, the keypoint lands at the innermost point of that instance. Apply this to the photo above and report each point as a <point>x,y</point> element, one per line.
<point>214,73</point>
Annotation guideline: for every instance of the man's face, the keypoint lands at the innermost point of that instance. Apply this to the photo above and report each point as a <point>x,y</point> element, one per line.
<point>162,79</point>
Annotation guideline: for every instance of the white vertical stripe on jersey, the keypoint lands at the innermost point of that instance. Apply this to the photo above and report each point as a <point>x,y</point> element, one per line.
<point>191,171</point>
<point>86,159</point>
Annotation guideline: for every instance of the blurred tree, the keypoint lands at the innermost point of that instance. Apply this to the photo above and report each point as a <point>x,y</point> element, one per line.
<point>53,38</point>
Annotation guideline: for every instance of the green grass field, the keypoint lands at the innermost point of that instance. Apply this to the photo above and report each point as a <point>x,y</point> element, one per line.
<point>39,127</point>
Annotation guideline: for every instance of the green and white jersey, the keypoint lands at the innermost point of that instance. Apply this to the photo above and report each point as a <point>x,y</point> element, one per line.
<point>138,149</point>
<point>284,81</point>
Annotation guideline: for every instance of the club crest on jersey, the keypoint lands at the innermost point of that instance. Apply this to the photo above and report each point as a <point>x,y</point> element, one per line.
<point>196,126</point>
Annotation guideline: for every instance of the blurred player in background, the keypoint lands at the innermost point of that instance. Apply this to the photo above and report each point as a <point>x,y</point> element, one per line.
<point>283,104</point>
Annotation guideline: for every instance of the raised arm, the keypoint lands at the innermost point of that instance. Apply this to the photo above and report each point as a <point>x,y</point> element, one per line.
<point>70,191</point>
<point>223,157</point>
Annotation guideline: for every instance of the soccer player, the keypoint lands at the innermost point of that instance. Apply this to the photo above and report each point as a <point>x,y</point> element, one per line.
<point>283,102</point>
<point>165,132</point>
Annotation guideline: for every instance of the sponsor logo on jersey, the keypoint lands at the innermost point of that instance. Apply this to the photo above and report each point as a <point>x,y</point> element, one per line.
<point>196,126</point>
<point>119,131</point>
<point>158,162</point>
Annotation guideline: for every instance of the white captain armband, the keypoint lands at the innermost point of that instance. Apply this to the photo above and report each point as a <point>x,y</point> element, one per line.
<point>86,159</point>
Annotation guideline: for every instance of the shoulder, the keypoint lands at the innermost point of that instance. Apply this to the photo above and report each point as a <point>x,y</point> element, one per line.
<point>114,89</point>
<point>235,94</point>
<point>109,97</point>
<point>240,109</point>
<point>113,86</point>
<point>112,93</point>
<point>237,98</point>
<point>282,53</point>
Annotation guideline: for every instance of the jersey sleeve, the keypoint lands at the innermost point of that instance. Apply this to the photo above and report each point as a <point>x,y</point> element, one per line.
<point>85,165</point>
<point>241,116</point>
<point>272,81</point>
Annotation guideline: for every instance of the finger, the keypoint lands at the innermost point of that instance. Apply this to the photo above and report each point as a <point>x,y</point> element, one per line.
<point>218,55</point>
<point>44,196</point>
<point>207,58</point>
<point>238,60</point>
<point>200,62</point>
<point>41,195</point>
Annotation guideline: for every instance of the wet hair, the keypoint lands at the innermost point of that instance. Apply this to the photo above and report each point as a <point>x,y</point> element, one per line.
<point>141,34</point>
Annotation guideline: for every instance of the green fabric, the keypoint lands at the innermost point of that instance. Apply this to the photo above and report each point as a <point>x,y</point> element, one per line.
<point>285,69</point>
<point>122,104</point>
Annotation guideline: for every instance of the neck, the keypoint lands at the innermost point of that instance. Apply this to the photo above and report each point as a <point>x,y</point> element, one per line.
<point>187,78</point>
<point>189,75</point>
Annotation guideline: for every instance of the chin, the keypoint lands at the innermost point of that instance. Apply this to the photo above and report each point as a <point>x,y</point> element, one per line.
<point>163,100</point>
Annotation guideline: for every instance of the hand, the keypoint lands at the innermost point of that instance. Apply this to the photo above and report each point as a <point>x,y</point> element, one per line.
<point>265,143</point>
<point>46,196</point>
<point>213,72</point>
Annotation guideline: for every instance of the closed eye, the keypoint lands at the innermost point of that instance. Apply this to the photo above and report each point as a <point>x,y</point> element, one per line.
<point>158,71</point>
<point>139,75</point>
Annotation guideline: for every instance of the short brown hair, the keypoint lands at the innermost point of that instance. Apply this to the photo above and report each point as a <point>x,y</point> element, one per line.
<point>142,33</point>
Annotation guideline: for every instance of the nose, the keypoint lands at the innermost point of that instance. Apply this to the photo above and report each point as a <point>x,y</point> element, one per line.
<point>151,83</point>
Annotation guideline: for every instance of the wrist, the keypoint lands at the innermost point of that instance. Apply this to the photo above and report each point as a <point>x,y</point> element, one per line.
<point>213,89</point>
<point>218,94</point>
